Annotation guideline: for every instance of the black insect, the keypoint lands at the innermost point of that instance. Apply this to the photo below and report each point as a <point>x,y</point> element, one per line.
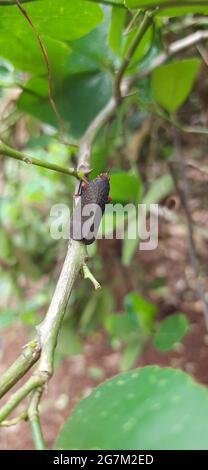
<point>89,209</point>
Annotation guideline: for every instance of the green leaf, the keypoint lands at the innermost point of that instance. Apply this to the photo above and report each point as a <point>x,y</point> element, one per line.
<point>170,331</point>
<point>25,53</point>
<point>90,53</point>
<point>78,100</point>
<point>129,356</point>
<point>142,48</point>
<point>170,11</point>
<point>125,187</point>
<point>159,189</point>
<point>148,408</point>
<point>62,19</point>
<point>129,245</point>
<point>122,326</point>
<point>115,38</point>
<point>144,310</point>
<point>172,83</point>
<point>11,2</point>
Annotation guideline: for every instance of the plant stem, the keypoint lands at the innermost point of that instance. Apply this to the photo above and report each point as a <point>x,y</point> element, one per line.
<point>48,330</point>
<point>171,4</point>
<point>30,354</point>
<point>145,24</point>
<point>172,49</point>
<point>10,152</point>
<point>34,419</point>
<point>35,381</point>
<point>88,275</point>
<point>13,422</point>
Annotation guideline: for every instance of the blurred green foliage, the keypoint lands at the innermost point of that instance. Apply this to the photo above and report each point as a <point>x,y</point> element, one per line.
<point>85,43</point>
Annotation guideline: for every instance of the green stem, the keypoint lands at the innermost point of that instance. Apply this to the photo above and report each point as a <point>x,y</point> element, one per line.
<point>145,24</point>
<point>34,420</point>
<point>10,152</point>
<point>37,433</point>
<point>171,4</point>
<point>13,422</point>
<point>34,382</point>
<point>25,361</point>
<point>88,275</point>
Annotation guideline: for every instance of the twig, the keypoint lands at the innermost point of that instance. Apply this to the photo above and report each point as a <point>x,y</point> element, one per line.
<point>172,49</point>
<point>201,169</point>
<point>145,24</point>
<point>88,275</point>
<point>88,138</point>
<point>36,380</point>
<point>184,128</point>
<point>184,196</point>
<point>170,4</point>
<point>48,330</point>
<point>34,419</point>
<point>203,53</point>
<point>30,355</point>
<point>13,422</point>
<point>10,152</point>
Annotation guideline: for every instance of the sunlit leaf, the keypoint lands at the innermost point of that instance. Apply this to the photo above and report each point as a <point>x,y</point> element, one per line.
<point>170,331</point>
<point>172,83</point>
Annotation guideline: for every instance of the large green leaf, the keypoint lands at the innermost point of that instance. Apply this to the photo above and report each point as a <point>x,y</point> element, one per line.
<point>79,100</point>
<point>62,19</point>
<point>148,408</point>
<point>22,49</point>
<point>173,11</point>
<point>170,331</point>
<point>90,53</point>
<point>172,83</point>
